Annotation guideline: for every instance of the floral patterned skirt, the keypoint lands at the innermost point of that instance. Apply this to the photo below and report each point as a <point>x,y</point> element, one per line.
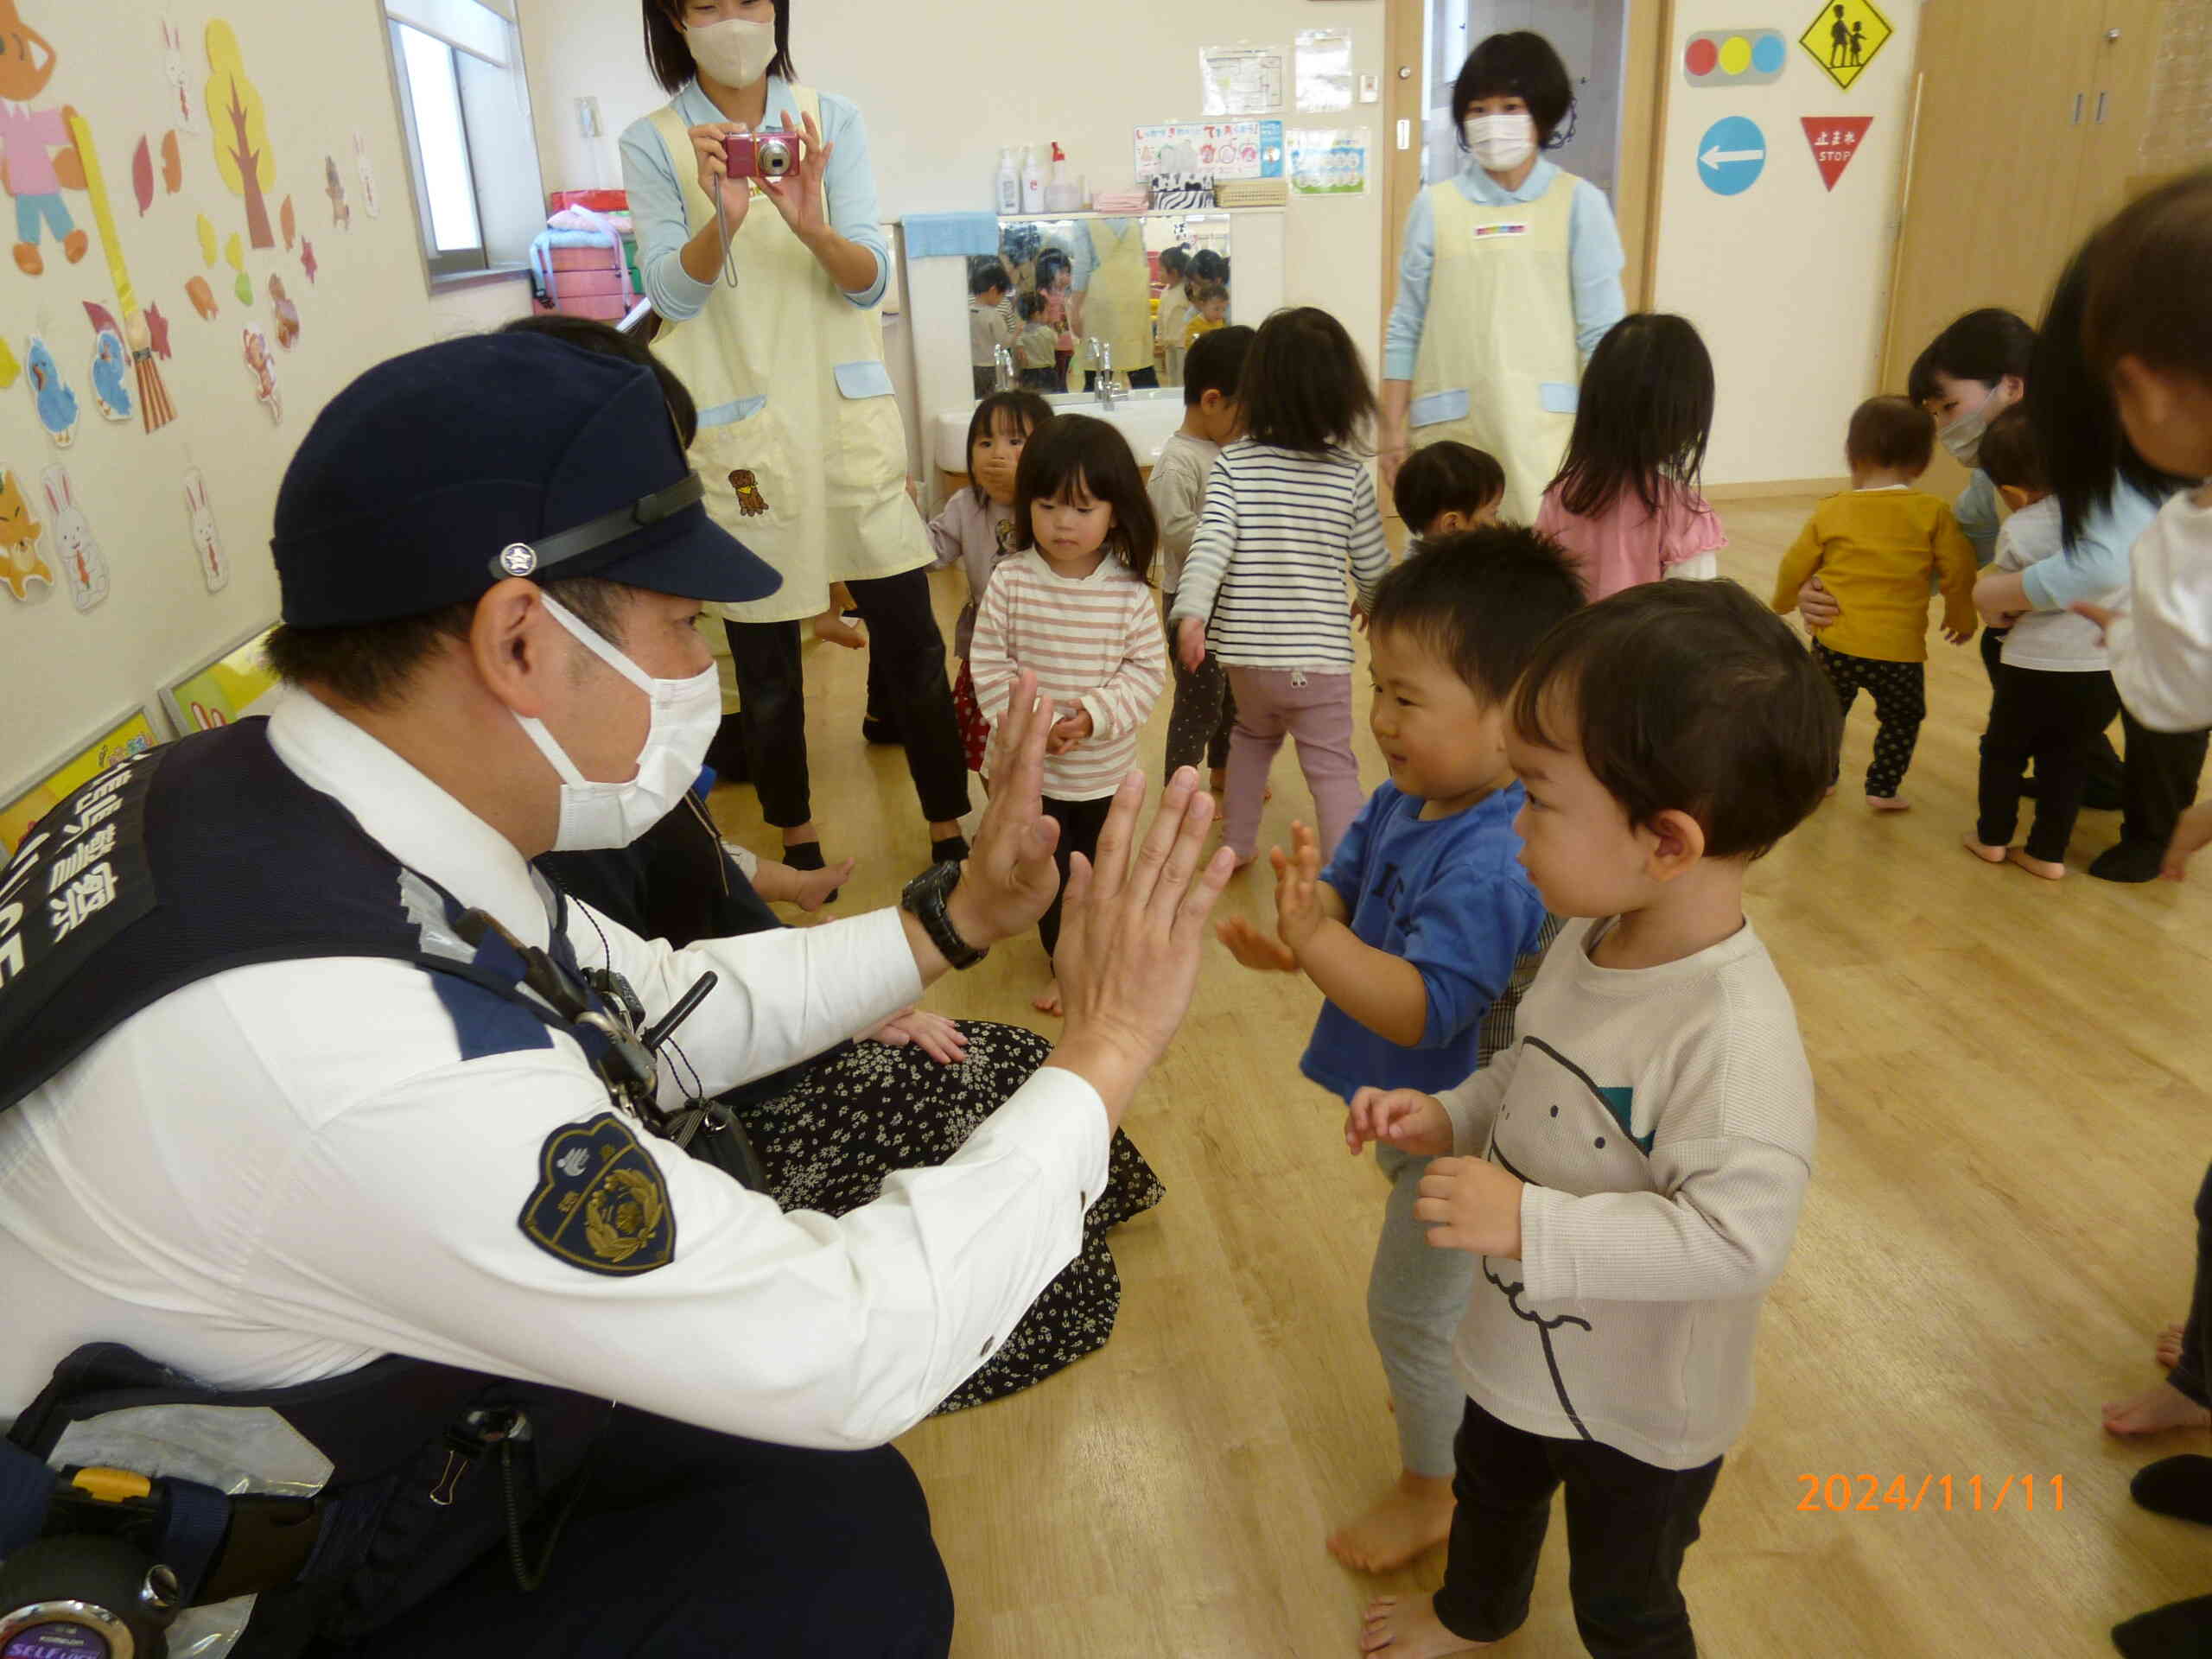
<point>864,1111</point>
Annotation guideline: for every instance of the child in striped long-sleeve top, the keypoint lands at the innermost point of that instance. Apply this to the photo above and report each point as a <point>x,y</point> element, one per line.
<point>1289,510</point>
<point>1074,606</point>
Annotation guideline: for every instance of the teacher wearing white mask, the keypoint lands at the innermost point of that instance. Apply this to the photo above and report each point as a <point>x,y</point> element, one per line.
<point>769,283</point>
<point>1511,275</point>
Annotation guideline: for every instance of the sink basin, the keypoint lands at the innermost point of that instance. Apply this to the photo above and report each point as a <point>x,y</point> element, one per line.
<point>1147,419</point>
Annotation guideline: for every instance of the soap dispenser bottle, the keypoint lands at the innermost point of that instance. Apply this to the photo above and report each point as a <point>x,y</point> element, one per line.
<point>1032,181</point>
<point>1006,196</point>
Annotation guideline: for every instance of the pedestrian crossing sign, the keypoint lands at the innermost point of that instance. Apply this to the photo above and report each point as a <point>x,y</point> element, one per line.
<point>1844,36</point>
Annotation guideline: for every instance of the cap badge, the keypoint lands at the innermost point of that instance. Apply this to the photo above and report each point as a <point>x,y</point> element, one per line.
<point>519,560</point>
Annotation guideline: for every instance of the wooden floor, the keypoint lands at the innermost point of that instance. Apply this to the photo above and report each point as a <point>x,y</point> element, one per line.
<point>2016,1089</point>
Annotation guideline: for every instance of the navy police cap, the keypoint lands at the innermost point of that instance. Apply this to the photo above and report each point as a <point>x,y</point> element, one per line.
<point>437,473</point>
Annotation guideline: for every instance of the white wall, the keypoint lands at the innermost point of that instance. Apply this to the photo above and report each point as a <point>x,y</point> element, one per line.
<point>1788,281</point>
<point>321,70</point>
<point>938,107</point>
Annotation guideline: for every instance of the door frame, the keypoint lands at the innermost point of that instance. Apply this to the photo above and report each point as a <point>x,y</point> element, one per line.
<point>1645,84</point>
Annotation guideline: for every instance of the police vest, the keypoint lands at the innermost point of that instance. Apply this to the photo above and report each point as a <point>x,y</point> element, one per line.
<point>203,855</point>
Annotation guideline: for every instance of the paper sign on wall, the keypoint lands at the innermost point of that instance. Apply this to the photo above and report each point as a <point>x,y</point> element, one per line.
<point>1220,149</point>
<point>1323,70</point>
<point>1834,139</point>
<point>1243,79</point>
<point>1844,36</point>
<point>1328,161</point>
<point>1734,57</point>
<point>1731,155</point>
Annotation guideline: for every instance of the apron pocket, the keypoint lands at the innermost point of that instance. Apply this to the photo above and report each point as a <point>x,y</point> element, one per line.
<point>1557,398</point>
<point>744,461</point>
<point>866,457</point>
<point>1439,407</point>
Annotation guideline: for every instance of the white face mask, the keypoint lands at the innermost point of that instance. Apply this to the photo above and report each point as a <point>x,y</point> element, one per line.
<point>1962,437</point>
<point>733,52</point>
<point>685,715</point>
<point>1500,143</point>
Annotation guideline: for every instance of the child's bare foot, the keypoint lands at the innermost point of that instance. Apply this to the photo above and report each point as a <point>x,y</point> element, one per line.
<point>815,889</point>
<point>1410,1630</point>
<point>1889,803</point>
<point>2157,1408</point>
<point>2042,867</point>
<point>1982,850</point>
<point>1415,1517</point>
<point>2169,1348</point>
<point>1048,999</point>
<point>837,631</point>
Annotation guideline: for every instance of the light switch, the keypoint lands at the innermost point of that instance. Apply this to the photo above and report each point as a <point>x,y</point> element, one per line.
<point>1370,89</point>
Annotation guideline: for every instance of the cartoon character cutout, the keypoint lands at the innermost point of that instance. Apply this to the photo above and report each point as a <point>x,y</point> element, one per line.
<point>180,104</point>
<point>341,216</point>
<point>57,405</point>
<point>287,315</point>
<point>83,567</point>
<point>206,541</point>
<point>110,365</point>
<point>20,534</point>
<point>262,368</point>
<point>750,501</point>
<point>38,159</point>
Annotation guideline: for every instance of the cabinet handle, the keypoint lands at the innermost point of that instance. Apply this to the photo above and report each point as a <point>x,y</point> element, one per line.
<point>2078,98</point>
<point>1405,135</point>
<point>2100,118</point>
<point>2112,34</point>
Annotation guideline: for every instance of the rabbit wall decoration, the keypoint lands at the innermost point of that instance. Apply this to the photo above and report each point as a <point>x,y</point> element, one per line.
<point>75,547</point>
<point>214,568</point>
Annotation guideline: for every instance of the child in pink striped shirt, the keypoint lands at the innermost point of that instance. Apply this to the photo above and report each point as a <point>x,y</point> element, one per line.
<point>1074,606</point>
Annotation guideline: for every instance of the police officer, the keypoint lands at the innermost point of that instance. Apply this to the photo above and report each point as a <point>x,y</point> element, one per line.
<point>309,1083</point>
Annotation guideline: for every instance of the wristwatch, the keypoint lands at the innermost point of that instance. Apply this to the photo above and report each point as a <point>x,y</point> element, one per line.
<point>924,898</point>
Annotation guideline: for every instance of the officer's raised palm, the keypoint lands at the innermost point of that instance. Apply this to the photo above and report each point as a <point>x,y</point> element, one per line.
<point>1009,879</point>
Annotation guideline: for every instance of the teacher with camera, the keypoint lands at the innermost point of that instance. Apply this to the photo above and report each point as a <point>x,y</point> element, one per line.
<point>759,247</point>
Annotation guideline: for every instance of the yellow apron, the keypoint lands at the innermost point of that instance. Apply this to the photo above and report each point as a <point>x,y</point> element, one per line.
<point>800,444</point>
<point>1498,364</point>
<point>1117,305</point>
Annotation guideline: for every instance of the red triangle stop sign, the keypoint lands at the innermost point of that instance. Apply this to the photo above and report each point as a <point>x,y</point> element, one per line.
<point>1834,139</point>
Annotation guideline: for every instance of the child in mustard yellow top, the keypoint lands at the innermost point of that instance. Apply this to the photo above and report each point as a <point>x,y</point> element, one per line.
<point>1876,548</point>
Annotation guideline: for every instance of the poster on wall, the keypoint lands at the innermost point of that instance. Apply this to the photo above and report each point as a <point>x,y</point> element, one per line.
<point>120,739</point>
<point>1835,140</point>
<point>1324,71</point>
<point>1730,155</point>
<point>1734,57</point>
<point>1843,38</point>
<point>1219,149</point>
<point>1243,79</point>
<point>224,691</point>
<point>1328,162</point>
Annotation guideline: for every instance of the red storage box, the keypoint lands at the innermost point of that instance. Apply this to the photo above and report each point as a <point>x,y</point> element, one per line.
<point>587,259</point>
<point>600,201</point>
<point>579,284</point>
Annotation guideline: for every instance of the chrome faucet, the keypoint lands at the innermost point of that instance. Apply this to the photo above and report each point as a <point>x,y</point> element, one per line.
<point>1101,353</point>
<point>1004,378</point>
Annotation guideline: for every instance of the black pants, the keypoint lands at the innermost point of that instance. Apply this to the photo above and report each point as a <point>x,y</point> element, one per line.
<point>2192,1372</point>
<point>2052,719</point>
<point>907,671</point>
<point>2159,782</point>
<point>1205,711</point>
<point>687,1544</point>
<point>1628,1527</point>
<point>1900,693</point>
<point>1080,822</point>
<point>2102,791</point>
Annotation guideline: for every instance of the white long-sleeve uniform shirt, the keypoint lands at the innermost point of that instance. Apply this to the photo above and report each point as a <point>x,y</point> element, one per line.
<point>280,1173</point>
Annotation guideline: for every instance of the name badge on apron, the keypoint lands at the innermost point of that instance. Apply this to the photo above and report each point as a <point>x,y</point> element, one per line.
<point>1513,227</point>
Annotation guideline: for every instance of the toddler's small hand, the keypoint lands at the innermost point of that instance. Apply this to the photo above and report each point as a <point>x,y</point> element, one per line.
<point>1253,948</point>
<point>2096,614</point>
<point>1958,636</point>
<point>1406,1118</point>
<point>1068,732</point>
<point>1471,1204</point>
<point>1190,644</point>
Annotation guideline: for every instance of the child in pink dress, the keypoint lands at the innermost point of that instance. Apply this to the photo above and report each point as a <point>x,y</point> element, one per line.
<point>1626,502</point>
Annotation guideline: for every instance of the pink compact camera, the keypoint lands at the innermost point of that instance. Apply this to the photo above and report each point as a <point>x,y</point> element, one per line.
<point>761,154</point>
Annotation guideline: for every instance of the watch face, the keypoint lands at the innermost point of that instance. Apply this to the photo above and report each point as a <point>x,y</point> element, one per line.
<point>56,1641</point>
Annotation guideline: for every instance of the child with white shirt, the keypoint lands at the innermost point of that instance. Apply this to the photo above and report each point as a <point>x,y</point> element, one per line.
<point>1630,1173</point>
<point>2054,690</point>
<point>1074,606</point>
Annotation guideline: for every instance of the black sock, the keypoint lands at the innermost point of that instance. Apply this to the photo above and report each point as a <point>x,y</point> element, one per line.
<point>2180,1630</point>
<point>950,850</point>
<point>2178,1486</point>
<point>804,856</point>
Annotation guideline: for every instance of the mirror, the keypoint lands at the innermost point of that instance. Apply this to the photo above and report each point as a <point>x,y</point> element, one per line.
<point>1141,287</point>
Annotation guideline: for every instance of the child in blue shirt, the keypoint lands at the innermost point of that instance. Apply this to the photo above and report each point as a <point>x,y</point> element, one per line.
<point>1421,932</point>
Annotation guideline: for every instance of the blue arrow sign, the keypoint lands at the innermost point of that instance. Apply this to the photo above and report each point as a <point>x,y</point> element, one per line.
<point>1731,155</point>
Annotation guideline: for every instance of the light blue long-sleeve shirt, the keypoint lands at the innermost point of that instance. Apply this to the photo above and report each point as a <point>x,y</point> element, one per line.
<point>1594,261</point>
<point>656,188</point>
<point>1979,519</point>
<point>2095,562</point>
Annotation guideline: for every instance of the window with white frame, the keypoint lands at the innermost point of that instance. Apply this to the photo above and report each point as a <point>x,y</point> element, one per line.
<point>464,106</point>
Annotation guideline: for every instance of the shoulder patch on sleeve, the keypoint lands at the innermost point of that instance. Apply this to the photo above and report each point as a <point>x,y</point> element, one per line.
<point>600,1203</point>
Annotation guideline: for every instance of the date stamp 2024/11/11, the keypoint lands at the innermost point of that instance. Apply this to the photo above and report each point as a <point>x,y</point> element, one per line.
<point>1862,1494</point>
